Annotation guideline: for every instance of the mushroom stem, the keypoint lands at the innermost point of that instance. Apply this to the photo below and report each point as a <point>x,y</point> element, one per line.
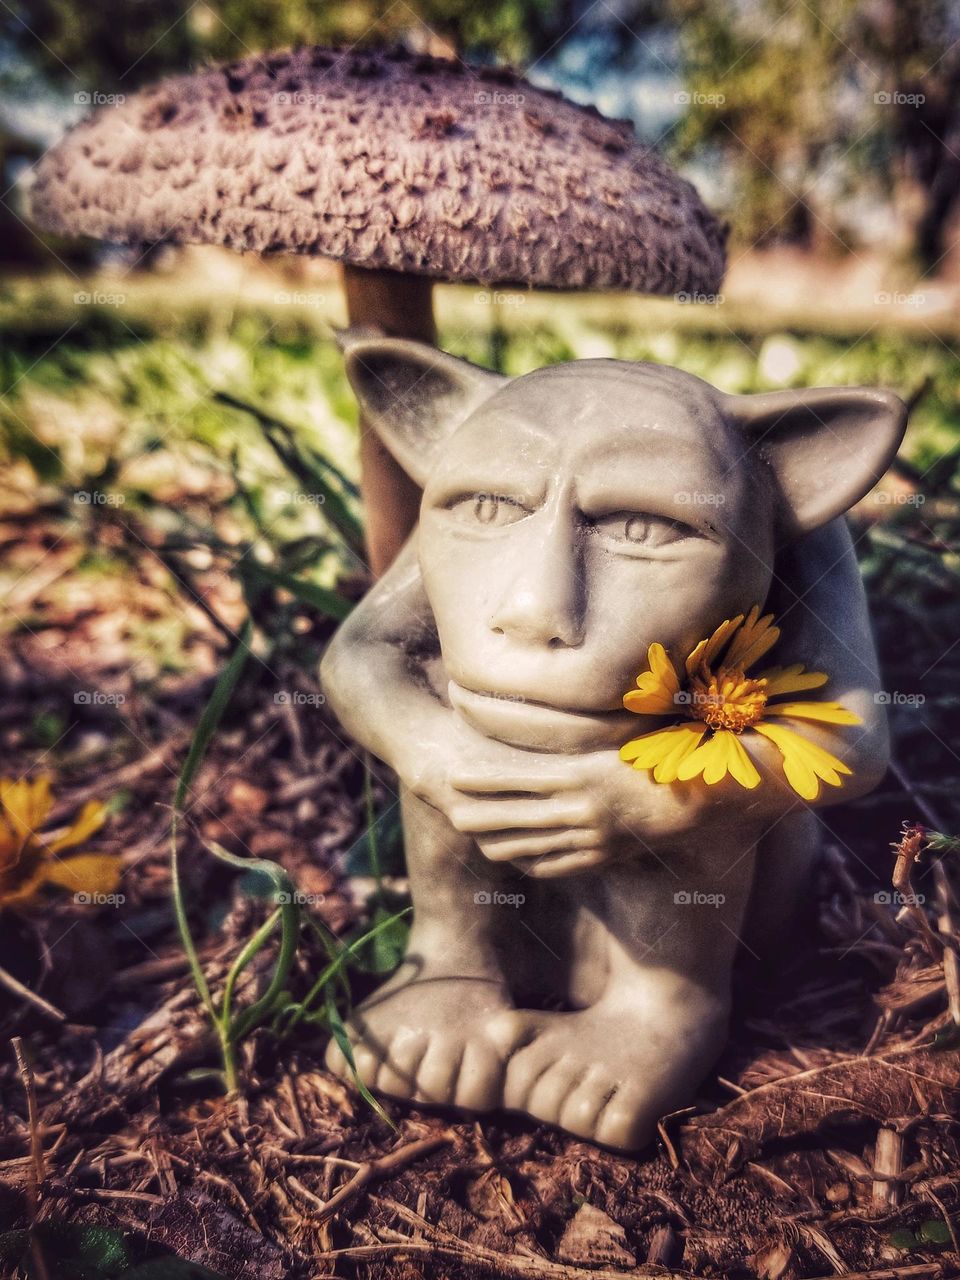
<point>402,306</point>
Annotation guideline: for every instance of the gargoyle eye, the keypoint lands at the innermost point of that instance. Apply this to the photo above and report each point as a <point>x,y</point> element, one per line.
<point>630,529</point>
<point>491,510</point>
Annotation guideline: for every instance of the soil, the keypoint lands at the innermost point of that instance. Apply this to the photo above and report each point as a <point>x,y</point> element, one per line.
<point>827,1141</point>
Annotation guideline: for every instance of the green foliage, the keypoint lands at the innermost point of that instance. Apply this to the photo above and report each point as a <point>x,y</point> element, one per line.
<point>805,108</point>
<point>381,947</point>
<point>939,842</point>
<point>222,1017</point>
<point>378,948</point>
<point>120,44</point>
<point>70,1251</point>
<point>934,1232</point>
<point>318,477</point>
<point>143,414</point>
<point>320,1008</point>
<point>75,1251</point>
<point>379,850</point>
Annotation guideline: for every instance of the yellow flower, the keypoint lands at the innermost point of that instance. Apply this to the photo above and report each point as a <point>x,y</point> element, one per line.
<point>721,702</point>
<point>29,860</point>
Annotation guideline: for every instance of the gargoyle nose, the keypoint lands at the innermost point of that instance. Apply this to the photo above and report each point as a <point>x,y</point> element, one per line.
<point>543,605</point>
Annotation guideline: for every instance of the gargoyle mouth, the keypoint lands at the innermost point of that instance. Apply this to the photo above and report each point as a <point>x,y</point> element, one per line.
<point>521,700</point>
<point>538,726</point>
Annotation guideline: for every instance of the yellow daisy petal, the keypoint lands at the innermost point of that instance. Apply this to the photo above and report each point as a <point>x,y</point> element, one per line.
<point>91,819</point>
<point>17,801</point>
<point>84,872</point>
<point>791,679</point>
<point>829,712</point>
<point>650,749</point>
<point>656,690</point>
<point>753,640</point>
<point>686,742</point>
<point>804,763</point>
<point>705,652</point>
<point>10,842</point>
<point>822,760</point>
<point>663,668</point>
<point>711,758</point>
<point>41,802</point>
<point>739,764</point>
<point>26,892</point>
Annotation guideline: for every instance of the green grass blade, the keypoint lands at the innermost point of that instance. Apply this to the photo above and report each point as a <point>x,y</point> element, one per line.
<point>339,1033</point>
<point>335,965</point>
<point>261,1009</point>
<point>212,714</point>
<point>372,827</point>
<point>290,432</point>
<point>311,469</point>
<point>288,912</point>
<point>252,948</point>
<point>329,603</point>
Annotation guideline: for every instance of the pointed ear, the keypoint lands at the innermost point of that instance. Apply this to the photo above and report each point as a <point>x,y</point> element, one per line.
<point>415,396</point>
<point>827,447</point>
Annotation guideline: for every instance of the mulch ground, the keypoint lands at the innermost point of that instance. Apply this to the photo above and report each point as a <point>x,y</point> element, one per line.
<point>826,1142</point>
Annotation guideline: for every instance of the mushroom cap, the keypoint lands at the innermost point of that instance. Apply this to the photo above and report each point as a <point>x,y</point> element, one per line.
<point>390,160</point>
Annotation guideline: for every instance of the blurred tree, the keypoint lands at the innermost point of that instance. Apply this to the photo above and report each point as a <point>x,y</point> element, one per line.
<point>811,117</point>
<point>805,107</point>
<point>126,42</point>
<point>915,45</point>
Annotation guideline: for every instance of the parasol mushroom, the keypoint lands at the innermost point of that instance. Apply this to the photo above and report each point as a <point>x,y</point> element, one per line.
<point>406,168</point>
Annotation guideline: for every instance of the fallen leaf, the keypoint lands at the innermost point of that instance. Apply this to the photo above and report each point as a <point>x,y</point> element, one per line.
<point>593,1238</point>
<point>198,1229</point>
<point>879,1088</point>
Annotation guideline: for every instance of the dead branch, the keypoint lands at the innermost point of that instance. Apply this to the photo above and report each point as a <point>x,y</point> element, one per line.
<point>380,1168</point>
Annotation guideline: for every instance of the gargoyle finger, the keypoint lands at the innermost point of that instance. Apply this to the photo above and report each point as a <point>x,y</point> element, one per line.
<point>505,815</point>
<point>553,866</point>
<point>481,782</point>
<point>506,846</point>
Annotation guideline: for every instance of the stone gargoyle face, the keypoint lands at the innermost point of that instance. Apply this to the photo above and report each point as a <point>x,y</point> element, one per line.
<point>574,515</point>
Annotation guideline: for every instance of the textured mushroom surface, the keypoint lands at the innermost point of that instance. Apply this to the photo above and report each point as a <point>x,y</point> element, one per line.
<point>385,160</point>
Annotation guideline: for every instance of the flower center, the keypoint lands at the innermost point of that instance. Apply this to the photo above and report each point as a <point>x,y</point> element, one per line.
<point>727,700</point>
